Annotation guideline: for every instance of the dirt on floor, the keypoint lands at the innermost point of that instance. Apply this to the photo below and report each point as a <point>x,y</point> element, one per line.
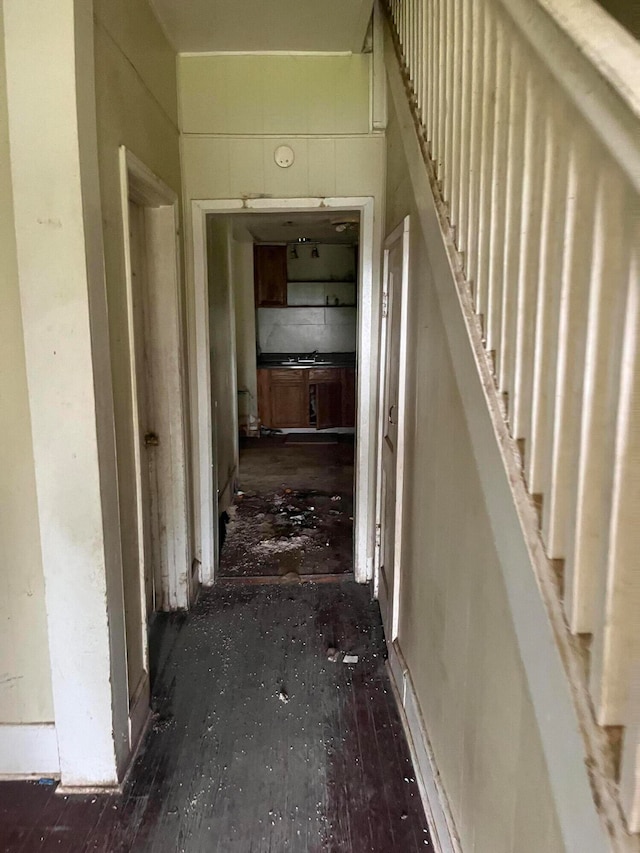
<point>293,516</point>
<point>303,532</point>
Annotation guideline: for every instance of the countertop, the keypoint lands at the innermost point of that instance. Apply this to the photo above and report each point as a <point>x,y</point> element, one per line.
<point>305,360</point>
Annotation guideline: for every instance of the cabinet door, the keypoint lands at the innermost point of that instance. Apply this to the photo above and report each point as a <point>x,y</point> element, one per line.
<point>264,397</point>
<point>289,405</point>
<point>328,404</point>
<point>349,397</point>
<point>270,275</point>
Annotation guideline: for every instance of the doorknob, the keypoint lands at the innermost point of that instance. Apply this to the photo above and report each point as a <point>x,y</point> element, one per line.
<point>151,439</point>
<point>391,408</point>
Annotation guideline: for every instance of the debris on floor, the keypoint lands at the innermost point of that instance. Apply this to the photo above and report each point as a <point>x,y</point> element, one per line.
<point>291,577</point>
<point>287,533</point>
<point>333,655</point>
<point>350,659</point>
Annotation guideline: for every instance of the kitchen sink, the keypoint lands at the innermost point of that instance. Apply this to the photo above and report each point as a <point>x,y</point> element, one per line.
<point>306,362</point>
<point>298,364</point>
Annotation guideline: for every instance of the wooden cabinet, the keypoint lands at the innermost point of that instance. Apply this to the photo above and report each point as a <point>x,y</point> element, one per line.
<point>314,398</point>
<point>270,275</point>
<point>349,396</point>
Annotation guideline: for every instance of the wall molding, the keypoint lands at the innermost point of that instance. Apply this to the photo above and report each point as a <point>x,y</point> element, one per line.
<point>28,750</point>
<point>434,798</point>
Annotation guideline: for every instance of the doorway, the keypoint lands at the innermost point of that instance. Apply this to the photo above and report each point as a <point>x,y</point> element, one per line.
<point>282,292</point>
<point>162,578</point>
<point>306,399</point>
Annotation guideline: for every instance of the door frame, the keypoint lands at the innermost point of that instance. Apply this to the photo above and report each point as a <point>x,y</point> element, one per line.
<point>400,233</point>
<point>164,326</point>
<point>202,426</point>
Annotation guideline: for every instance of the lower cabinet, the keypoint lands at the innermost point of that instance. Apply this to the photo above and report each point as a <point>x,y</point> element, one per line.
<point>306,398</point>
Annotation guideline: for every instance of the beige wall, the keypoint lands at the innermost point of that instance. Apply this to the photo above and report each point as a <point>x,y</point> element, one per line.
<point>274,94</point>
<point>136,99</point>
<point>25,683</point>
<point>456,631</point>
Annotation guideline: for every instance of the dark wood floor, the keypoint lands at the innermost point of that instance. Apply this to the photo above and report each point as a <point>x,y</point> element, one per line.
<point>271,463</point>
<point>258,744</point>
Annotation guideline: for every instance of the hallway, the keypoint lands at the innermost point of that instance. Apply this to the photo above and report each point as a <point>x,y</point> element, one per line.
<point>258,742</point>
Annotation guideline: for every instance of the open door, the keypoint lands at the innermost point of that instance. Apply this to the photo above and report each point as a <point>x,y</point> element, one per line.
<point>392,392</point>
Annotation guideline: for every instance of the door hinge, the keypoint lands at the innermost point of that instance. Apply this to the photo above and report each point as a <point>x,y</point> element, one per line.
<point>385,304</point>
<point>378,535</point>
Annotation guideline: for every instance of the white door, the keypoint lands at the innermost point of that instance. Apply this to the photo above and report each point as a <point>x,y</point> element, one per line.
<point>147,437</point>
<point>391,426</point>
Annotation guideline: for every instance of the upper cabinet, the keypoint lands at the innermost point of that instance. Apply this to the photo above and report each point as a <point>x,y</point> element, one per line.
<point>305,275</point>
<point>270,270</point>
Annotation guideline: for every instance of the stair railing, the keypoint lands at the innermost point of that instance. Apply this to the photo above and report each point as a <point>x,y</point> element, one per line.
<point>530,113</point>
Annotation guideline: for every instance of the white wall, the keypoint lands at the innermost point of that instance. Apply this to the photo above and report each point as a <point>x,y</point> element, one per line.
<point>335,262</point>
<point>222,327</point>
<point>274,94</point>
<point>304,330</point>
<point>25,682</point>
<point>242,261</point>
<point>59,242</point>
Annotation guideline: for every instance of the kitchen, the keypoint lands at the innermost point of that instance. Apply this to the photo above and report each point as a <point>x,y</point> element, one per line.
<point>306,330</point>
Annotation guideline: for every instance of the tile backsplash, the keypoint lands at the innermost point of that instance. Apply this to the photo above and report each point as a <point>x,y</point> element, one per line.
<point>329,293</point>
<point>328,329</point>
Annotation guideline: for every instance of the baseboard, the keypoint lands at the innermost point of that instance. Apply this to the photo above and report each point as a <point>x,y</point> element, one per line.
<point>29,751</point>
<point>436,805</point>
<point>139,711</point>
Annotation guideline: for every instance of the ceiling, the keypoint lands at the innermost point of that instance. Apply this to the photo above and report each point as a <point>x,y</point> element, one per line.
<point>195,26</point>
<point>289,227</point>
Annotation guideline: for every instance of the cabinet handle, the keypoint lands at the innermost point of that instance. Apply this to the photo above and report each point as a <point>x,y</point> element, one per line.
<point>391,408</point>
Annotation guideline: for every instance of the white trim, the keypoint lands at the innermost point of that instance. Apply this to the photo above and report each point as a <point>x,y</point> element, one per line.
<point>197,54</point>
<point>378,72</point>
<point>400,443</point>
<point>434,799</point>
<point>332,136</point>
<point>367,346</point>
<point>28,751</point>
